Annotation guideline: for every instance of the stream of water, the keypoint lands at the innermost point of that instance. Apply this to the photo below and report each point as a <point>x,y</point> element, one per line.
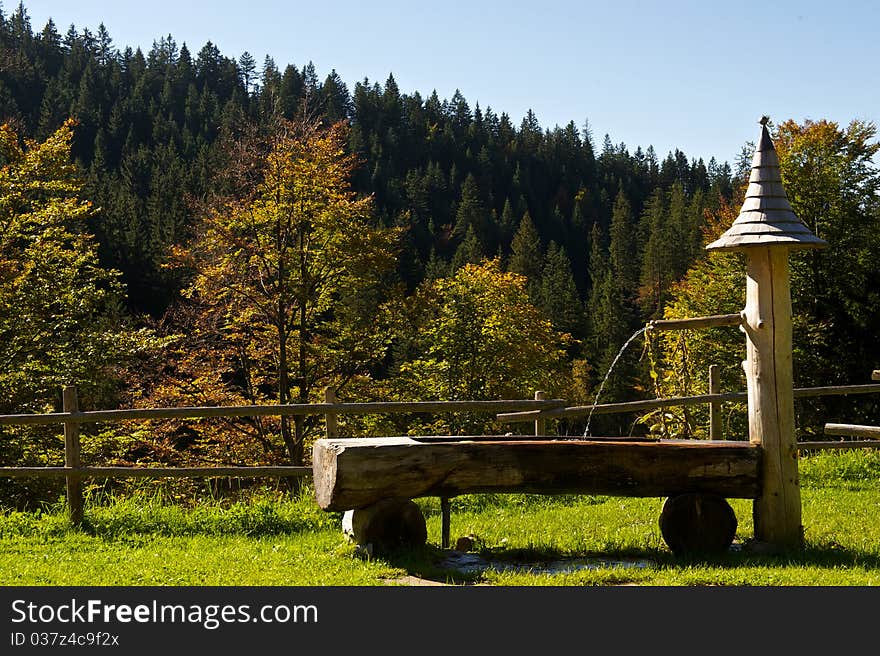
<point>608,375</point>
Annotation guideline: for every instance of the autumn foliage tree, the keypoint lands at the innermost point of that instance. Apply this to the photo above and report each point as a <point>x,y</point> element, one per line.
<point>476,336</point>
<point>60,312</point>
<point>61,321</point>
<point>290,274</point>
<point>833,182</point>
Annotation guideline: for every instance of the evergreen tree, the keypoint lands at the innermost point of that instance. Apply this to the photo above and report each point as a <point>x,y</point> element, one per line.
<point>679,231</point>
<point>469,251</point>
<point>623,247</point>
<point>507,226</point>
<point>559,295</point>
<point>656,274</point>
<point>526,256</point>
<point>472,215</point>
<point>247,67</point>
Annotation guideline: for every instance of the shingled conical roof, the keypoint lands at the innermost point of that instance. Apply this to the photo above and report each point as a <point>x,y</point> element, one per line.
<point>766,217</point>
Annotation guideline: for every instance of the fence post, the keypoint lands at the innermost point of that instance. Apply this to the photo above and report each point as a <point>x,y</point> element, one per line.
<point>714,406</point>
<point>331,418</point>
<point>540,422</point>
<point>70,401</point>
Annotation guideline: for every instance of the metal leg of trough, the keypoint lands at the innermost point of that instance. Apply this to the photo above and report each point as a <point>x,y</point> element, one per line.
<point>444,522</point>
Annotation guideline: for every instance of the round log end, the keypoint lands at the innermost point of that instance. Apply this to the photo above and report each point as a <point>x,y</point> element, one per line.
<point>390,523</point>
<point>697,523</point>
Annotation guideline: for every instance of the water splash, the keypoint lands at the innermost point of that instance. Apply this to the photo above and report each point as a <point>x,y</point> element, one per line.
<point>608,375</point>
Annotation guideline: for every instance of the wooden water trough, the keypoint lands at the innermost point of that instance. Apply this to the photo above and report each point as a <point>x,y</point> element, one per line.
<point>375,479</point>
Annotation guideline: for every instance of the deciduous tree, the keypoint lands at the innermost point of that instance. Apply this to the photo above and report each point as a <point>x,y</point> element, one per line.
<point>476,336</point>
<point>61,319</point>
<point>290,275</point>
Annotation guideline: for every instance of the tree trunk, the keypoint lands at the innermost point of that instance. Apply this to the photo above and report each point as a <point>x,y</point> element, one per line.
<point>284,397</point>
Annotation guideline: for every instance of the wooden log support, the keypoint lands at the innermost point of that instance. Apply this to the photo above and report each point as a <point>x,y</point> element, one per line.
<point>355,473</point>
<point>387,524</point>
<point>696,523</point>
<point>768,368</point>
<point>75,504</point>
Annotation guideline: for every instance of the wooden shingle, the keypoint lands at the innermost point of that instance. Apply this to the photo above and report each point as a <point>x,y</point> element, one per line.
<point>766,217</point>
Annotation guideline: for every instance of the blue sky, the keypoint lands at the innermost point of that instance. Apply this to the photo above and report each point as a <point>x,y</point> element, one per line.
<point>690,75</point>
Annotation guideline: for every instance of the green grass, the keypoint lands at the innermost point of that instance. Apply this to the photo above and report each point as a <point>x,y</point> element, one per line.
<point>276,539</point>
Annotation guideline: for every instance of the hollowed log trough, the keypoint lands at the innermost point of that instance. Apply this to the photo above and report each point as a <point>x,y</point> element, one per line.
<point>359,475</point>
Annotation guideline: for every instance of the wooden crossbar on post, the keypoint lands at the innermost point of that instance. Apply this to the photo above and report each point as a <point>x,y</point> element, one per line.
<point>713,321</point>
<point>70,401</point>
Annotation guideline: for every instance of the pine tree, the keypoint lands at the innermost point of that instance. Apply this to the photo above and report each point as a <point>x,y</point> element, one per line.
<point>559,295</point>
<point>247,66</point>
<point>335,100</point>
<point>506,227</point>
<point>623,246</point>
<point>679,231</point>
<point>472,215</point>
<point>656,274</point>
<point>469,251</point>
<point>527,256</point>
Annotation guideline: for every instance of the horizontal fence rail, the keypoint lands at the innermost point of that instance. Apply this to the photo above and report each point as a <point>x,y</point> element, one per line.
<point>842,445</point>
<point>302,409</point>
<point>155,472</point>
<point>651,404</point>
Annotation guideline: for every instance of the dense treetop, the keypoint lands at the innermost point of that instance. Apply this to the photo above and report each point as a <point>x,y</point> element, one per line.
<point>151,129</point>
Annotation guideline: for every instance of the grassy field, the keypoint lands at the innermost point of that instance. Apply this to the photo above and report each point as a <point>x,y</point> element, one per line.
<point>521,540</point>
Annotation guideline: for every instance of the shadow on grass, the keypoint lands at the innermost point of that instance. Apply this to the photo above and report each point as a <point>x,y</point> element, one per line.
<point>622,566</point>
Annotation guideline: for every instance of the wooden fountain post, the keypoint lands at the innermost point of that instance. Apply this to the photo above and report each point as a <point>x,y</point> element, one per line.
<point>769,381</point>
<point>765,231</point>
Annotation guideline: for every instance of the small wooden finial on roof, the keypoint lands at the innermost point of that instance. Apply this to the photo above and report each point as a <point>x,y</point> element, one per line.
<point>766,217</point>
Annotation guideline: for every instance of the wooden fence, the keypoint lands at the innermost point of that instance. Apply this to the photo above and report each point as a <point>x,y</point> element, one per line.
<point>538,410</point>
<point>72,418</point>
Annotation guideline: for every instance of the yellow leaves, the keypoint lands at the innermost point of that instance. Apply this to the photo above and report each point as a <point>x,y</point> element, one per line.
<point>478,336</point>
